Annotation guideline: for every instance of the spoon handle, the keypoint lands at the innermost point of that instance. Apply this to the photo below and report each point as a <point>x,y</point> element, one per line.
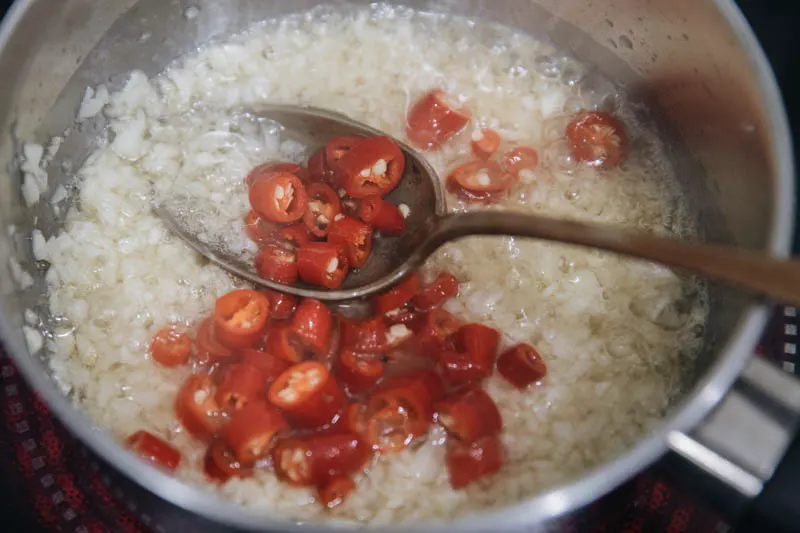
<point>750,270</point>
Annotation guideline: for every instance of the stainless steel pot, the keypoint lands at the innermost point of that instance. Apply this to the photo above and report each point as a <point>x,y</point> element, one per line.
<point>696,62</point>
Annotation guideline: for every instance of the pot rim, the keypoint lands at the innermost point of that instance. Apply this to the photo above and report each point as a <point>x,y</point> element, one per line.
<point>556,502</point>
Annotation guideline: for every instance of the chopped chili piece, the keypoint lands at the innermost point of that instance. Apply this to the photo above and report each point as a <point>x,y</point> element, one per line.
<point>280,197</point>
<point>480,182</point>
<point>354,236</point>
<point>258,230</point>
<point>281,305</point>
<point>368,336</point>
<point>208,347</point>
<point>213,473</point>
<point>280,344</point>
<point>469,415</point>
<point>240,318</point>
<point>435,118</point>
<point>335,150</point>
<point>277,263</point>
<point>309,460</point>
<point>197,409</point>
<point>323,206</point>
<point>240,384</point>
<point>270,365</point>
<point>171,347</point>
<point>308,394</point>
<point>521,365</point>
<point>268,169</point>
<point>469,462</point>
<point>252,430</point>
<point>401,409</point>
<point>431,338</point>
<point>444,287</point>
<point>334,492</point>
<point>485,143</point>
<point>521,159</point>
<point>323,264</point>
<point>154,450</point>
<point>294,235</point>
<point>318,168</point>
<point>382,215</point>
<point>398,296</point>
<point>226,464</point>
<point>358,371</point>
<point>474,348</point>
<point>312,325</point>
<point>599,139</point>
<point>372,166</point>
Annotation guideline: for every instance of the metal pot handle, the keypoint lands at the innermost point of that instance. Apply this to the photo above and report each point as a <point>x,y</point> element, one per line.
<point>744,458</point>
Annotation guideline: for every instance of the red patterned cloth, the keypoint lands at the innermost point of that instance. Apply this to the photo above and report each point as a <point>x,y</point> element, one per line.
<point>63,488</point>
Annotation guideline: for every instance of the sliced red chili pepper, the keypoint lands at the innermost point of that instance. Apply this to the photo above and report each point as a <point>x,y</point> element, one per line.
<point>599,139</point>
<point>258,230</point>
<point>480,340</point>
<point>240,384</point>
<point>213,473</point>
<point>521,365</point>
<point>401,409</point>
<point>334,492</point>
<point>312,325</point>
<point>398,296</point>
<point>382,215</point>
<point>267,169</point>
<point>280,344</point>
<point>277,263</point>
<point>226,464</point>
<point>431,338</point>
<point>154,450</point>
<point>472,359</point>
<point>294,235</point>
<point>480,182</point>
<point>308,394</point>
<point>312,459</point>
<point>444,287</point>
<point>281,305</point>
<point>461,368</point>
<point>318,168</point>
<point>171,347</point>
<point>280,197</point>
<point>355,419</point>
<point>405,315</point>
<point>271,366</point>
<point>368,336</point>
<point>358,371</point>
<point>252,430</point>
<point>323,264</point>
<point>520,159</point>
<point>196,408</point>
<point>485,143</point>
<point>240,318</point>
<point>207,344</point>
<point>349,206</point>
<point>435,118</point>
<point>469,415</point>
<point>469,462</point>
<point>335,150</point>
<point>354,237</point>
<point>323,206</point>
<point>372,166</point>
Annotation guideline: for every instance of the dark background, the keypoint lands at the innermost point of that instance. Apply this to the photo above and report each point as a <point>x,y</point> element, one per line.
<point>776,24</point>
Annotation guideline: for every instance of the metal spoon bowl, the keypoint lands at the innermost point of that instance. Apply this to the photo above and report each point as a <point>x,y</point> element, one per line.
<point>429,226</point>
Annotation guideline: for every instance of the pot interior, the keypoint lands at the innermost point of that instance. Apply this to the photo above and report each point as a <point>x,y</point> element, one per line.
<point>682,61</point>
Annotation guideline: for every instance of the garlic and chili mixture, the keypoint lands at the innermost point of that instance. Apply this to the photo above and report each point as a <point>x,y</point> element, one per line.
<point>615,334</point>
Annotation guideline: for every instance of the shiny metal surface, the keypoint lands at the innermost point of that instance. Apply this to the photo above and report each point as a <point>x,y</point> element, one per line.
<point>697,62</point>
